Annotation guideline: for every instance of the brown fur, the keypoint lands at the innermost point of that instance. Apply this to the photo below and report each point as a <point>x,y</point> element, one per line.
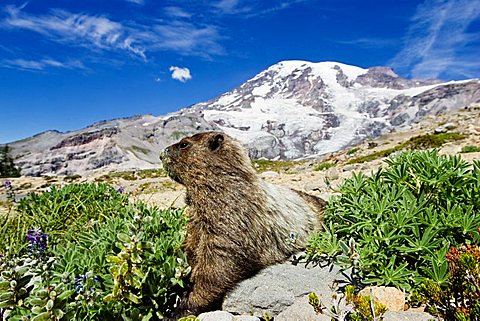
<point>238,224</point>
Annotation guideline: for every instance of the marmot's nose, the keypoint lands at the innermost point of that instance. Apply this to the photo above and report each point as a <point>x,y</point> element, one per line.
<point>164,153</point>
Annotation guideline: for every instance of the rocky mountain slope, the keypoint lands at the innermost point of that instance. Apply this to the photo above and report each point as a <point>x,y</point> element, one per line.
<point>294,109</point>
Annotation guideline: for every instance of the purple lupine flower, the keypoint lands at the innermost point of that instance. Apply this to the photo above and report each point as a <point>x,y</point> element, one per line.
<point>7,184</point>
<point>37,239</point>
<point>83,280</point>
<point>120,190</point>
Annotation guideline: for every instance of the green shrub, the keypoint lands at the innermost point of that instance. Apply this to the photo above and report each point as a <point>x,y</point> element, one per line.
<point>323,166</point>
<point>403,219</point>
<point>62,212</point>
<point>470,149</point>
<point>127,266</point>
<point>7,167</point>
<point>418,142</point>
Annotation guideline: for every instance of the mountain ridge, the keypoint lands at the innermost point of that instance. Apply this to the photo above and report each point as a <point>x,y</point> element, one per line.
<point>293,109</point>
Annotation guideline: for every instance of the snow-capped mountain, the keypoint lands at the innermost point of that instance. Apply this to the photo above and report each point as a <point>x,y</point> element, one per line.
<point>291,110</point>
<point>297,108</point>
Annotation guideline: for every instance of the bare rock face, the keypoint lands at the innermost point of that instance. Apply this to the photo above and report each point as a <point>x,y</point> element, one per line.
<point>384,77</point>
<point>293,109</point>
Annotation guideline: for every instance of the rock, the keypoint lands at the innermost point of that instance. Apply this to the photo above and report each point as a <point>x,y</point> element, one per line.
<point>301,310</point>
<point>348,168</point>
<point>269,174</point>
<point>391,297</point>
<point>317,185</point>
<point>406,316</point>
<point>277,287</point>
<point>440,130</point>
<point>332,174</point>
<point>216,316</point>
<point>449,126</point>
<point>245,318</point>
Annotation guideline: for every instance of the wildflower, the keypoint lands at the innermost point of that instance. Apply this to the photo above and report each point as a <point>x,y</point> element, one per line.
<point>120,190</point>
<point>85,286</point>
<point>38,241</point>
<point>7,184</point>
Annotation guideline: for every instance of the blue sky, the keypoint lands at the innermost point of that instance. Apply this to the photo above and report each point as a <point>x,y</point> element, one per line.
<point>65,64</point>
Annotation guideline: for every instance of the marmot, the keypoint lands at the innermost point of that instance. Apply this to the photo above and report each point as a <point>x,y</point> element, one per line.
<point>238,223</point>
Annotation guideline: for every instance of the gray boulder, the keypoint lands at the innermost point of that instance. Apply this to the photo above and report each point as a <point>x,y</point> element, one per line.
<point>276,288</point>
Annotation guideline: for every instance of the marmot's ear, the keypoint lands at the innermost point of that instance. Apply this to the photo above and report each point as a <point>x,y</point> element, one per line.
<point>215,142</point>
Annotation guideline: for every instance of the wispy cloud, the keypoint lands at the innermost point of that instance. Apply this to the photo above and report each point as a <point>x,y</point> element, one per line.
<point>140,2</point>
<point>80,29</point>
<point>437,42</point>
<point>281,5</point>
<point>371,42</point>
<point>99,33</point>
<point>186,38</point>
<point>180,74</point>
<point>250,8</point>
<point>177,12</point>
<point>38,65</point>
<point>230,7</point>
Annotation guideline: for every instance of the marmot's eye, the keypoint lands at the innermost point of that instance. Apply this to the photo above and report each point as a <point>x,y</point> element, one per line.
<point>183,145</point>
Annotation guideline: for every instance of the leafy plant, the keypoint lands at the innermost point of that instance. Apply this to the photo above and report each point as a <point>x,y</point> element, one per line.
<point>127,266</point>
<point>459,297</point>
<point>403,219</point>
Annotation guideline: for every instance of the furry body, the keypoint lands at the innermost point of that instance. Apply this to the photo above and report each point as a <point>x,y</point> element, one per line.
<point>238,223</point>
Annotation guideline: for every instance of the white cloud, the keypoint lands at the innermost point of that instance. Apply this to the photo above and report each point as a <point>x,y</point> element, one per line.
<point>90,31</point>
<point>42,64</point>
<point>180,74</point>
<point>98,33</point>
<point>437,42</point>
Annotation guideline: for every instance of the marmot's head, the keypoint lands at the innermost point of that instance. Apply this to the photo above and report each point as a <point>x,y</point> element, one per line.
<point>210,158</point>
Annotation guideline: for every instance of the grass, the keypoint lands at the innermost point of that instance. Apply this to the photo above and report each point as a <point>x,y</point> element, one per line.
<point>417,142</point>
<point>131,175</point>
<point>470,149</point>
<point>353,150</point>
<point>264,165</point>
<point>323,166</point>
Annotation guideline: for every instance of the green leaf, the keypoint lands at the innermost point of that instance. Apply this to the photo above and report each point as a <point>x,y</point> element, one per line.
<point>4,285</point>
<point>42,317</point>
<point>58,313</point>
<point>49,305</point>
<point>114,259</point>
<point>6,295</point>
<point>132,297</point>
<point>124,237</point>
<point>7,304</point>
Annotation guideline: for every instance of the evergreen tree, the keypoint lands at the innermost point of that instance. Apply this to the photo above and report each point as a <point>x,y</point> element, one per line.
<point>7,167</point>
